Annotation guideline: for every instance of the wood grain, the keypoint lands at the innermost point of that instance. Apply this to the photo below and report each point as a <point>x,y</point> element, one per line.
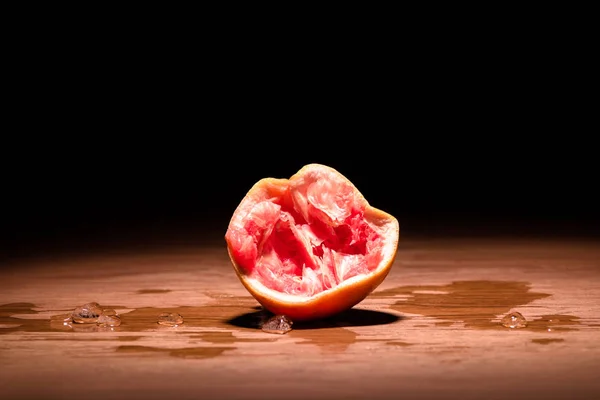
<point>431,330</point>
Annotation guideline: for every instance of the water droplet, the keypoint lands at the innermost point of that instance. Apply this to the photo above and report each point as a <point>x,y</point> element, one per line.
<point>87,313</point>
<point>514,320</point>
<point>170,319</point>
<point>278,324</point>
<point>109,317</point>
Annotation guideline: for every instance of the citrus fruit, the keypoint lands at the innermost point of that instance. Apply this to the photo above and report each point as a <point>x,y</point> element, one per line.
<point>310,246</point>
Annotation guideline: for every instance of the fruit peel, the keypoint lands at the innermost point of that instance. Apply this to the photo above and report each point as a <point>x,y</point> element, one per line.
<point>315,209</point>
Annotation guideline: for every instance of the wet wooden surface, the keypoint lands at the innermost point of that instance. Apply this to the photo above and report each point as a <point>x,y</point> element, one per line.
<point>431,330</point>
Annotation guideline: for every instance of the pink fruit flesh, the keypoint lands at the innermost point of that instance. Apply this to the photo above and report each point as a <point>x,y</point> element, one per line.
<point>307,237</point>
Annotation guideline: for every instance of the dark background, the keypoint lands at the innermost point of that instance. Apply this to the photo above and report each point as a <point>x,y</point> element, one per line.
<point>167,190</point>
<point>453,138</point>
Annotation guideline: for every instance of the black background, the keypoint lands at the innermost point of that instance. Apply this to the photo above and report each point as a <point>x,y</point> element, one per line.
<point>451,142</point>
<point>159,189</point>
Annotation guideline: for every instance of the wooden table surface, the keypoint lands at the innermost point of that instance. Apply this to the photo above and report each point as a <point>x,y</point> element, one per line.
<point>431,330</point>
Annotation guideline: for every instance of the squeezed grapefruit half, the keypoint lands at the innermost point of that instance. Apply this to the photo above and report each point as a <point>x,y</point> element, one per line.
<point>310,246</point>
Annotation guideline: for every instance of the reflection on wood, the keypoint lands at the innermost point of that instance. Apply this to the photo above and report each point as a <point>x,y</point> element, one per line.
<point>431,330</point>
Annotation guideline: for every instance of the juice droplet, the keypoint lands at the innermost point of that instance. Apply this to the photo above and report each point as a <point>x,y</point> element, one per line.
<point>109,311</point>
<point>170,319</point>
<point>109,317</point>
<point>87,313</point>
<point>514,320</point>
<point>279,324</point>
